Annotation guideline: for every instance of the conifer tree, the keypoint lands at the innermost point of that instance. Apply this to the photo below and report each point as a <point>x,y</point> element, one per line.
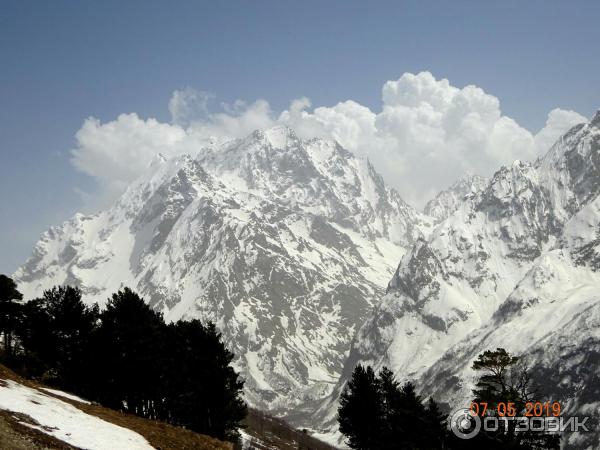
<point>56,331</point>
<point>360,414</point>
<point>392,410</point>
<point>504,380</point>
<point>10,312</point>
<point>379,413</point>
<point>412,414</point>
<point>203,390</point>
<point>127,351</point>
<point>436,424</point>
<point>492,385</point>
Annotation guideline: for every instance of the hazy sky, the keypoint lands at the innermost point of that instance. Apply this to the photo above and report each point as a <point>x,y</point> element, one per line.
<point>63,62</point>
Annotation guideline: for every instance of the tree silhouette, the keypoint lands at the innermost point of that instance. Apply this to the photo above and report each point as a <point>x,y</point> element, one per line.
<point>125,357</point>
<point>379,413</point>
<point>10,312</point>
<point>360,414</point>
<point>505,380</point>
<point>127,349</point>
<point>436,423</point>
<point>393,413</point>
<point>56,333</point>
<point>203,392</point>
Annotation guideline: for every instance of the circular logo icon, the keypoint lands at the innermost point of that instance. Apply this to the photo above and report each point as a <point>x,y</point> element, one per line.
<point>465,424</point>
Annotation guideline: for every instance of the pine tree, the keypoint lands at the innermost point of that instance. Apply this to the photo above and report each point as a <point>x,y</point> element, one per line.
<point>32,333</point>
<point>56,332</point>
<point>504,380</point>
<point>412,413</point>
<point>492,386</point>
<point>392,410</point>
<point>203,390</point>
<point>127,349</point>
<point>378,413</point>
<point>360,414</point>
<point>10,312</point>
<point>436,424</point>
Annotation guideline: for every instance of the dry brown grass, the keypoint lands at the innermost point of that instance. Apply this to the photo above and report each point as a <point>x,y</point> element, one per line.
<point>14,435</point>
<point>276,433</point>
<point>160,435</point>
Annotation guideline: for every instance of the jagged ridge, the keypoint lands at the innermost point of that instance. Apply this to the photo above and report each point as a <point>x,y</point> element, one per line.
<point>284,243</point>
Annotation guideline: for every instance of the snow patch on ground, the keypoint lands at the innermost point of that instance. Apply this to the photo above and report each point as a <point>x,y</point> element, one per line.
<point>65,422</point>
<point>66,395</point>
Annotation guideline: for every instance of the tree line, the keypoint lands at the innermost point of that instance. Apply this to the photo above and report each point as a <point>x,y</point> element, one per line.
<point>376,412</point>
<point>125,357</point>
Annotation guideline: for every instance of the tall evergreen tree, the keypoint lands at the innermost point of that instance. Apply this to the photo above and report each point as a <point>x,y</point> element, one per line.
<point>127,349</point>
<point>32,332</point>
<point>393,425</point>
<point>492,385</point>
<point>360,414</point>
<point>378,413</point>
<point>203,390</point>
<point>436,424</point>
<point>10,312</point>
<point>56,333</point>
<point>413,415</point>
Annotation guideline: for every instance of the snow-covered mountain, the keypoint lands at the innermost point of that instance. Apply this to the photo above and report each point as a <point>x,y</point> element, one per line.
<point>286,244</point>
<point>447,201</point>
<point>516,265</point>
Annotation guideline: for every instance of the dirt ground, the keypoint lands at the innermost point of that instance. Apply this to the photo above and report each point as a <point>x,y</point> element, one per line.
<point>162,436</point>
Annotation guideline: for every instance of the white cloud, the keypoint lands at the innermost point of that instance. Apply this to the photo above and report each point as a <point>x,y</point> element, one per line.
<point>116,152</point>
<point>559,120</point>
<point>426,135</point>
<point>189,105</point>
<point>429,132</point>
<point>238,120</point>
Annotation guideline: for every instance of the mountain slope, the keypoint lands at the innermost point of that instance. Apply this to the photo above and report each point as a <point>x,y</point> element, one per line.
<point>34,417</point>
<point>515,266</point>
<point>284,243</point>
<point>447,201</point>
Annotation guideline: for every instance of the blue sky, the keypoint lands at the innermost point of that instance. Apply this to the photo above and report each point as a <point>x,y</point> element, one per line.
<point>64,61</point>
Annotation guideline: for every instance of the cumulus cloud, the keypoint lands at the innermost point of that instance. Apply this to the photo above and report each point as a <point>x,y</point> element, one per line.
<point>189,105</point>
<point>429,132</point>
<point>116,152</point>
<point>426,134</point>
<point>559,120</point>
<point>237,120</point>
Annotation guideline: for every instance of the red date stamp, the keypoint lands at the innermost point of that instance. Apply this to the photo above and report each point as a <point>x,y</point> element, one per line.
<point>509,409</point>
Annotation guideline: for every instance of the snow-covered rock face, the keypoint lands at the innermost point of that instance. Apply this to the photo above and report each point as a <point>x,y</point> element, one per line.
<point>516,265</point>
<point>446,202</point>
<point>284,243</point>
<point>288,246</point>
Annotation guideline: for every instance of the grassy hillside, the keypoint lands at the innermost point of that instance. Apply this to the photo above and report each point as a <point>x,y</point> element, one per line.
<point>266,433</point>
<point>262,432</point>
<point>15,434</point>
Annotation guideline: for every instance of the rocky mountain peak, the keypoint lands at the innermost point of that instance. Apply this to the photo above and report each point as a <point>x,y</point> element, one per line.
<point>284,243</point>
<point>518,267</point>
<point>448,200</point>
<point>595,122</point>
